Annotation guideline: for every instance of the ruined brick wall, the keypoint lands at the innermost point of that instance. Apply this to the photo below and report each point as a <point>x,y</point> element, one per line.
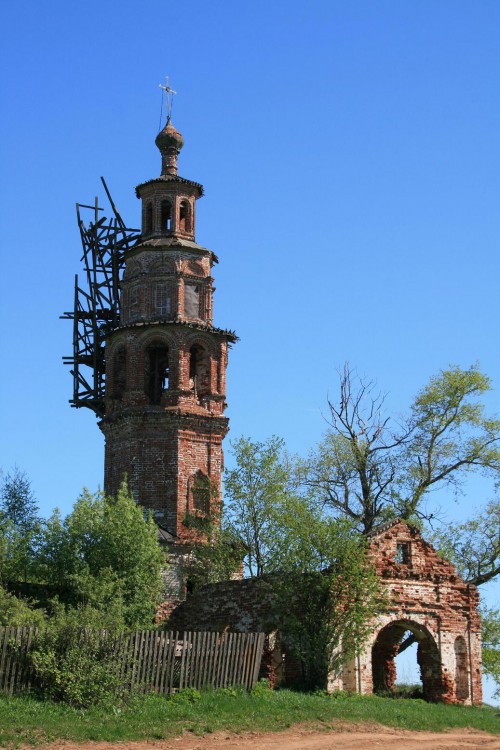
<point>243,606</point>
<point>427,598</point>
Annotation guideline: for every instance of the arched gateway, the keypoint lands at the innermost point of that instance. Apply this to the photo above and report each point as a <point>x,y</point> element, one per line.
<point>387,645</point>
<point>428,602</point>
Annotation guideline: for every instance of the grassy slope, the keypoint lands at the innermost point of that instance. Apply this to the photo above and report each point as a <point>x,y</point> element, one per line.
<point>26,720</point>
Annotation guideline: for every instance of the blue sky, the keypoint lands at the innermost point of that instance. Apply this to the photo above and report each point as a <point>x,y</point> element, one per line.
<point>350,156</point>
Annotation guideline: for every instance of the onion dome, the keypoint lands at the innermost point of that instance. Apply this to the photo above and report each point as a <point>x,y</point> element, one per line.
<point>169,142</point>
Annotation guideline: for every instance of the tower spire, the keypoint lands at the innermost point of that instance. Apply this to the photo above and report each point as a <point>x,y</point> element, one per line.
<point>169,140</point>
<point>169,95</point>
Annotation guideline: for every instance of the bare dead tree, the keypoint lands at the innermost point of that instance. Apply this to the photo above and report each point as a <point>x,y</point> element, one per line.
<point>371,468</point>
<point>356,465</point>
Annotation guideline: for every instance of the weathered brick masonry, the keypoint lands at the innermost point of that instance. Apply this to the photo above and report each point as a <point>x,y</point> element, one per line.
<point>243,606</point>
<point>428,602</point>
<point>433,603</point>
<point>166,363</point>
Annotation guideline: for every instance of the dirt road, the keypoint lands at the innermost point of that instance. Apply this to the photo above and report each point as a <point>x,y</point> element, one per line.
<point>360,737</point>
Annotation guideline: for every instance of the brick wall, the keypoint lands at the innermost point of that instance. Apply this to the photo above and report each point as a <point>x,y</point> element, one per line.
<point>427,598</point>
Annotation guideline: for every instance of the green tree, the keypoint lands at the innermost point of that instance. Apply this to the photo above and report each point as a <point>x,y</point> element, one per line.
<point>474,548</point>
<point>216,553</point>
<point>20,527</point>
<point>105,551</point>
<point>17,501</point>
<point>370,467</point>
<point>325,589</point>
<point>75,659</point>
<point>474,545</point>
<point>254,489</point>
<point>313,567</point>
<point>491,645</point>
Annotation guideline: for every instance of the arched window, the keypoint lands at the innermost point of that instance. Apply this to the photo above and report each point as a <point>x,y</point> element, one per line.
<point>157,372</point>
<point>134,302</point>
<point>166,216</point>
<point>461,677</point>
<point>192,300</point>
<point>119,373</point>
<point>184,217</point>
<point>162,299</point>
<point>200,491</point>
<point>199,371</point>
<point>148,226</point>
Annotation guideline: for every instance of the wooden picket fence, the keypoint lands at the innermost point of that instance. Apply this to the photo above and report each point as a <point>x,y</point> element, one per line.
<point>152,660</point>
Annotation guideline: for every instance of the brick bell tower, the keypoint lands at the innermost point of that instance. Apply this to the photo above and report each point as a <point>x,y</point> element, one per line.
<point>165,363</point>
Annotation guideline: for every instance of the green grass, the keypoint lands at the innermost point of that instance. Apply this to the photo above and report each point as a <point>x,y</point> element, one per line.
<point>27,720</point>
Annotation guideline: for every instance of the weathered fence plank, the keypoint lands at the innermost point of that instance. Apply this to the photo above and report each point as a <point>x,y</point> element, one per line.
<point>150,660</point>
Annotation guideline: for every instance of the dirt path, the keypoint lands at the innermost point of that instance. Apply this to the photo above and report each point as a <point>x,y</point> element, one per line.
<point>355,737</point>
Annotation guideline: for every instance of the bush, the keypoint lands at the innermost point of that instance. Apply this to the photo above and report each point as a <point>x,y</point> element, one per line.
<point>74,660</point>
<point>19,612</point>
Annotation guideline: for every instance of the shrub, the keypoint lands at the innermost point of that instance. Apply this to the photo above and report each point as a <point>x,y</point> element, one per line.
<point>74,660</point>
<point>19,612</point>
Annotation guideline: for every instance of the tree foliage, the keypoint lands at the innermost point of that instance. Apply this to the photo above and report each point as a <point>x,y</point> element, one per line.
<point>313,566</point>
<point>106,552</point>
<point>370,468</point>
<point>491,645</point>
<point>216,552</point>
<point>473,546</point>
<point>20,526</point>
<point>18,612</point>
<point>74,659</point>
<point>17,501</point>
<point>325,590</point>
<point>255,490</point>
<point>218,558</point>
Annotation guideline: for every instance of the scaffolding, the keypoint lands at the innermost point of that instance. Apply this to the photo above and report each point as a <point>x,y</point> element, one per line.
<point>96,310</point>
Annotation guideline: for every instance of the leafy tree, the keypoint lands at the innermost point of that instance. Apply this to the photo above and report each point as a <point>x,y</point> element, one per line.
<point>491,645</point>
<point>75,658</point>
<point>450,437</point>
<point>20,527</point>
<point>369,468</point>
<point>105,551</point>
<point>473,546</point>
<point>17,501</point>
<point>313,566</point>
<point>259,484</point>
<point>325,589</point>
<point>216,553</point>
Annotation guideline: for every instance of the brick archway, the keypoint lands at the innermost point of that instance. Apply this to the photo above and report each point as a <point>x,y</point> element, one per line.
<point>386,648</point>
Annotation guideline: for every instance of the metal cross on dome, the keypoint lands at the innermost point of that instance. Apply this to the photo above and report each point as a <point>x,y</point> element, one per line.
<point>169,93</point>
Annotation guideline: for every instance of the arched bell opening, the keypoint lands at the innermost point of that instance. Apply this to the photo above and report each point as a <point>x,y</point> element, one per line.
<point>157,372</point>
<point>394,639</point>
<point>185,217</point>
<point>199,371</point>
<point>166,216</point>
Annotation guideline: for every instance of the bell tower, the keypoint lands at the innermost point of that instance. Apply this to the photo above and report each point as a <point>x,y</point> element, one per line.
<point>165,376</point>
